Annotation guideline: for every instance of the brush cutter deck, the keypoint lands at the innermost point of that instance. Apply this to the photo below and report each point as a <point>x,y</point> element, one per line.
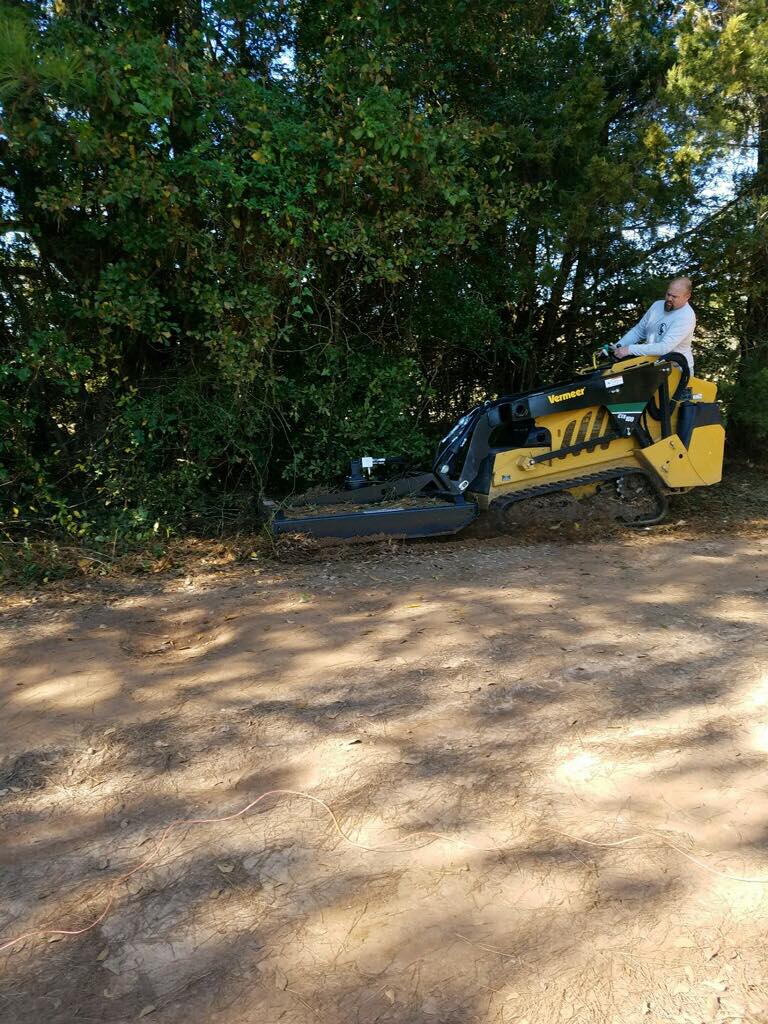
<point>435,519</point>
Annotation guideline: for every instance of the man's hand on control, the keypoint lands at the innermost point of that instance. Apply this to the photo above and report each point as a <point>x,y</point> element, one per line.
<point>621,352</point>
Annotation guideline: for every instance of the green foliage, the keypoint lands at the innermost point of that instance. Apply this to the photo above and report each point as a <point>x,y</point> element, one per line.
<point>380,399</point>
<point>749,407</point>
<point>242,243</point>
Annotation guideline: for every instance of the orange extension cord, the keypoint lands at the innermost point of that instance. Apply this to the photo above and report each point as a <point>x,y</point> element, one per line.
<point>429,836</point>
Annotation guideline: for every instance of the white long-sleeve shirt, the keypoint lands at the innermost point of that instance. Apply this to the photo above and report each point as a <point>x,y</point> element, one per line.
<point>659,333</point>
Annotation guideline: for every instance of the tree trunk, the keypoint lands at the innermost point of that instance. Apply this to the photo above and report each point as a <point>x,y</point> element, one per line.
<point>754,342</point>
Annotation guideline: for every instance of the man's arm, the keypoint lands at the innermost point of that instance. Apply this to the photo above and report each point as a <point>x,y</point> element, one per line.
<point>637,333</point>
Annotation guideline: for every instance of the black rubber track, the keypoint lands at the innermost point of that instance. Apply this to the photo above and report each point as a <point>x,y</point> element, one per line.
<point>500,505</point>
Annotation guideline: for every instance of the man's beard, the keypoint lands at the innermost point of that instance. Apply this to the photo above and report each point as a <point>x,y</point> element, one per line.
<point>668,306</point>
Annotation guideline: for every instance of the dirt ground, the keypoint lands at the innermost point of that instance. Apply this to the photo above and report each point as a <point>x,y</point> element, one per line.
<point>586,726</point>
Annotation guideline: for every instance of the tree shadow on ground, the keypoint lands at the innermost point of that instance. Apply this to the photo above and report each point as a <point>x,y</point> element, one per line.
<point>523,706</point>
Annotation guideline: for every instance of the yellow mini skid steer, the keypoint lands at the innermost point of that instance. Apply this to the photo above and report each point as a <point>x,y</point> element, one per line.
<point>625,434</point>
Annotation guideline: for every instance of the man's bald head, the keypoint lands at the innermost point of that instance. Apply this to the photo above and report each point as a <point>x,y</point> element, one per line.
<point>678,293</point>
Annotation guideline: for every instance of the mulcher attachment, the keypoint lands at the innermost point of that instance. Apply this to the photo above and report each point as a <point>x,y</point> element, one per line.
<point>375,502</point>
<point>437,519</point>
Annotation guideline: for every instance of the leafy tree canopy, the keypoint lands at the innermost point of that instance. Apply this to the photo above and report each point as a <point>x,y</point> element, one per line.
<point>242,242</point>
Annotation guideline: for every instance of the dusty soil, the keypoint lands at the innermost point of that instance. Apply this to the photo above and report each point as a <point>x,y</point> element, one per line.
<point>585,725</point>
